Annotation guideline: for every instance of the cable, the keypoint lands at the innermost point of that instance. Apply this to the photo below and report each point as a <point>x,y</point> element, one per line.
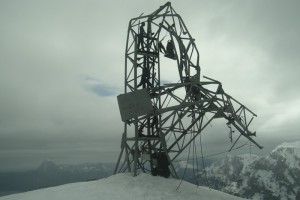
<point>215,154</point>
<point>203,165</point>
<point>250,148</point>
<point>225,151</point>
<point>194,153</point>
<point>185,167</point>
<point>202,159</point>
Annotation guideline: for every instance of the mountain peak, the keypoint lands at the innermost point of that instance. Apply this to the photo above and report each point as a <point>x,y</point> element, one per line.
<point>293,145</point>
<point>47,165</point>
<point>288,150</point>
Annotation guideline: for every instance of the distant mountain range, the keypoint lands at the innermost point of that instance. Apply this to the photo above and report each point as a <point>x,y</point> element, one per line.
<point>274,176</point>
<point>51,174</point>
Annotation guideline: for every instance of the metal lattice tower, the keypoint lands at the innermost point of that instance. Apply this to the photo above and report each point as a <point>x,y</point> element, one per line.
<point>162,118</point>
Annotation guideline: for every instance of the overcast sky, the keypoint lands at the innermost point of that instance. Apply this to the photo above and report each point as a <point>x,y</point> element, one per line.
<point>62,66</point>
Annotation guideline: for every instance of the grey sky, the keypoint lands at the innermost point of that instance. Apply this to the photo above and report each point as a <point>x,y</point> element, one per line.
<point>62,65</point>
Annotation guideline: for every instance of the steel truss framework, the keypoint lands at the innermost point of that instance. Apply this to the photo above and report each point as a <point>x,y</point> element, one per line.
<point>181,110</point>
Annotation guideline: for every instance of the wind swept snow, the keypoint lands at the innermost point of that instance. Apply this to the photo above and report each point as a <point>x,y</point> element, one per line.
<point>124,187</point>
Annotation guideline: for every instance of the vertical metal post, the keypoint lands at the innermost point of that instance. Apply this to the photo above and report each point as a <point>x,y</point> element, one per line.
<point>136,146</point>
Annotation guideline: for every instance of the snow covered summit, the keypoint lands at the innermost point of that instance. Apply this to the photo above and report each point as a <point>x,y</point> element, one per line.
<point>124,187</point>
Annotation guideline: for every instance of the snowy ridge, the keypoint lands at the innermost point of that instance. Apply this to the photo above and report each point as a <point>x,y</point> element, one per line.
<point>124,187</point>
<point>247,160</point>
<point>233,165</point>
<point>295,145</point>
<point>274,176</point>
<point>289,152</point>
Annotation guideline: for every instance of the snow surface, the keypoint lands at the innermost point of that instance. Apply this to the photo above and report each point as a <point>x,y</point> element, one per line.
<point>124,187</point>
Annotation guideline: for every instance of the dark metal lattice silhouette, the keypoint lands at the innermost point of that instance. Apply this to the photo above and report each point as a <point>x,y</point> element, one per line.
<point>162,118</point>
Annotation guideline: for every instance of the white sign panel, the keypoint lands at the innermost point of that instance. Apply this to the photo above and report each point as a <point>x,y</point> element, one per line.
<point>135,104</point>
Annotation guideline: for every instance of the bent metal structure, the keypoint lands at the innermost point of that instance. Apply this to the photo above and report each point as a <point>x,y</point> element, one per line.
<point>162,117</point>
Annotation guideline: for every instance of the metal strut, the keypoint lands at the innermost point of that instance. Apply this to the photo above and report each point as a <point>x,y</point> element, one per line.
<point>157,115</point>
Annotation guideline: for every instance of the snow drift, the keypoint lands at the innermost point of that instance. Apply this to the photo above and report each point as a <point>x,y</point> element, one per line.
<point>124,187</point>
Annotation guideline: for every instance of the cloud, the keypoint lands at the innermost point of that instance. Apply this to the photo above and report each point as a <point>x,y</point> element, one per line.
<point>283,120</point>
<point>47,47</point>
<point>95,86</point>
